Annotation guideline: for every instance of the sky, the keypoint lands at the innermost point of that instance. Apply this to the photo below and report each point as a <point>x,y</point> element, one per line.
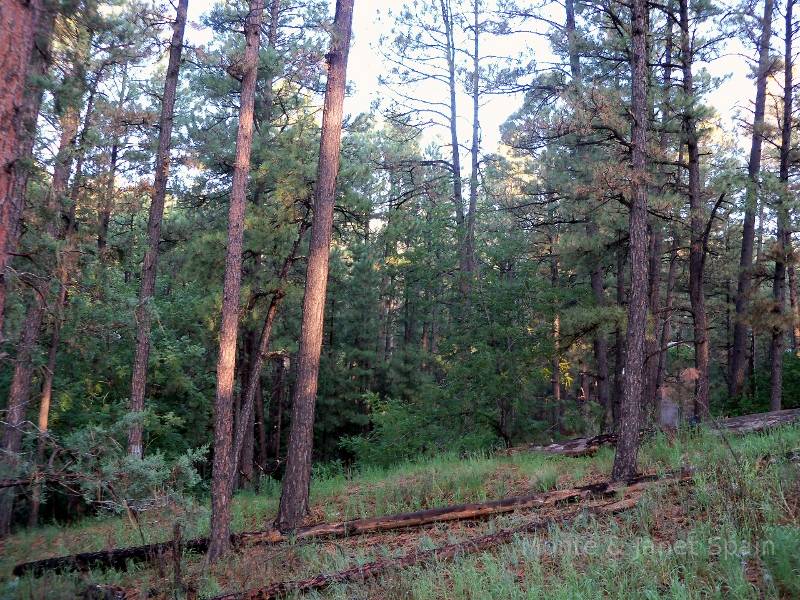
<point>366,64</point>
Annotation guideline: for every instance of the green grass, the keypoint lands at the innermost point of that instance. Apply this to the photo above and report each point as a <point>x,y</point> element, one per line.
<point>733,533</point>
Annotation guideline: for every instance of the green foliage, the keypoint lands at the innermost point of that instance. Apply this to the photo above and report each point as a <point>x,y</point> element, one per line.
<point>402,431</point>
<point>779,552</point>
<point>110,478</point>
<point>728,534</point>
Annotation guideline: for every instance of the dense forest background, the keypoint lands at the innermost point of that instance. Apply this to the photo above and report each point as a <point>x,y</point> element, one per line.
<point>478,297</point>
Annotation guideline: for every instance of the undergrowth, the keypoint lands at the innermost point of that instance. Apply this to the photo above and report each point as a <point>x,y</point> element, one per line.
<point>732,533</point>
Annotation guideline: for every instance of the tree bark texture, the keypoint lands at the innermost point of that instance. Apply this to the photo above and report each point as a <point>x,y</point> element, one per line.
<point>297,478</point>
<point>148,284</point>
<point>633,388</point>
<point>697,223</point>
<point>224,460</point>
<point>18,24</point>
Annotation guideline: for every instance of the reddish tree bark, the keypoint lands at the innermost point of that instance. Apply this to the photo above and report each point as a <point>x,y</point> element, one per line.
<point>224,458</point>
<point>20,390</point>
<point>148,283</point>
<point>18,20</point>
<point>18,397</point>
<point>40,62</point>
<point>294,493</point>
<point>654,352</point>
<point>628,431</point>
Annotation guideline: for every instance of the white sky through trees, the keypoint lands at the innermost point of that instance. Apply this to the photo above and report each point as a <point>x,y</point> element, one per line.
<point>372,20</point>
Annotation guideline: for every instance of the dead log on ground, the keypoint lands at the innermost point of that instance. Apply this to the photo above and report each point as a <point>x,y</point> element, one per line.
<point>586,446</point>
<point>756,422</point>
<point>118,558</point>
<point>441,554</point>
<point>582,446</point>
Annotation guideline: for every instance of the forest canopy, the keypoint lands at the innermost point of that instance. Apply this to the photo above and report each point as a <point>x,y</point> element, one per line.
<point>223,264</point>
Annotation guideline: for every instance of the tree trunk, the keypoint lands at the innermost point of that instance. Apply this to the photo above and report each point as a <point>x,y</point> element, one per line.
<point>44,419</point>
<point>18,26</point>
<point>795,307</point>
<point>783,233</point>
<point>628,445</point>
<point>469,238</point>
<point>294,493</point>
<point>666,321</point>
<point>20,390</point>
<point>619,341</point>
<point>260,353</point>
<point>697,224</point>
<point>105,213</point>
<point>224,459</point>
<point>455,147</point>
<point>66,265</point>
<point>740,327</point>
<point>148,284</point>
<point>276,407</point>
<point>600,342</point>
<point>555,364</point>
<point>40,61</point>
<point>262,112</point>
<point>18,397</point>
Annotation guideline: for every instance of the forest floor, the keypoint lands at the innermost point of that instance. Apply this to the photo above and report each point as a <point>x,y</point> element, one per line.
<point>733,532</point>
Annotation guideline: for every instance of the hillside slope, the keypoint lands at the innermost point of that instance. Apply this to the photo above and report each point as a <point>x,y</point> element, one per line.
<point>732,532</point>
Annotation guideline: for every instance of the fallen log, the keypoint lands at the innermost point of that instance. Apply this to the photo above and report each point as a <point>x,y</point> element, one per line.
<point>458,512</point>
<point>586,446</point>
<point>115,558</point>
<point>118,558</point>
<point>441,554</point>
<point>582,446</point>
<point>756,422</point>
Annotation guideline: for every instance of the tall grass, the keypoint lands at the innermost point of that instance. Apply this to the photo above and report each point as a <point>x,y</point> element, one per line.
<point>733,533</point>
